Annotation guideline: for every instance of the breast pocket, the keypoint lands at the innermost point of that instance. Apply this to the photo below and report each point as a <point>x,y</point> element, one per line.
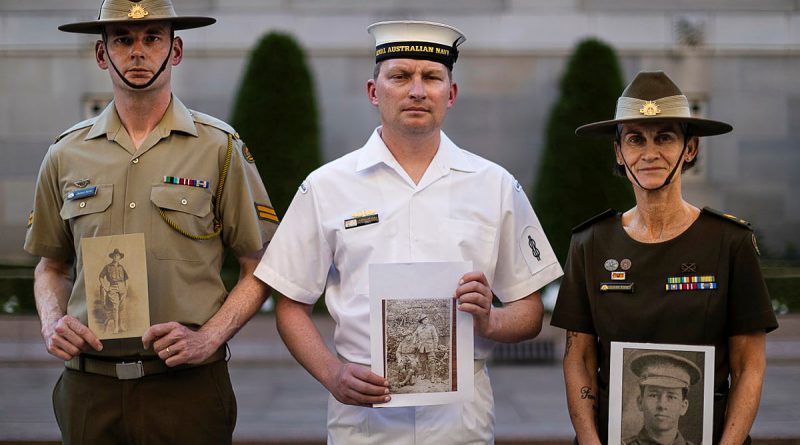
<point>190,209</point>
<point>469,241</point>
<point>90,216</point>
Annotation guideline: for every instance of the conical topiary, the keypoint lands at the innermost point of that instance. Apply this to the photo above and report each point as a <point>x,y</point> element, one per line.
<point>276,115</point>
<point>575,179</point>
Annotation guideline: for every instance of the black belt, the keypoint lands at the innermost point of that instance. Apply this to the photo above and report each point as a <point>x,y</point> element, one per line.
<point>133,368</point>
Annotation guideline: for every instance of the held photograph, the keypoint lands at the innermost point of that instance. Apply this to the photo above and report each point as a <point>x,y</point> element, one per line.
<point>418,345</point>
<point>419,341</point>
<point>115,275</point>
<point>661,393</point>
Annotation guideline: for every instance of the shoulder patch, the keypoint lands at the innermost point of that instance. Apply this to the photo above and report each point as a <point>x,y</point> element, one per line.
<point>202,118</point>
<point>594,219</point>
<point>727,217</point>
<point>83,124</point>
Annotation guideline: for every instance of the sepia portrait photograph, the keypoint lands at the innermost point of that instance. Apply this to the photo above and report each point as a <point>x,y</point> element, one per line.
<point>418,345</point>
<point>420,342</point>
<point>115,278</point>
<point>661,393</point>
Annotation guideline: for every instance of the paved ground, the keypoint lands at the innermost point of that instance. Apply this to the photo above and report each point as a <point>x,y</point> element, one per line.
<point>279,402</point>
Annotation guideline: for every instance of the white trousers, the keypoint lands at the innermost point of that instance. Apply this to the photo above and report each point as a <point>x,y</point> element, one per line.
<point>454,423</point>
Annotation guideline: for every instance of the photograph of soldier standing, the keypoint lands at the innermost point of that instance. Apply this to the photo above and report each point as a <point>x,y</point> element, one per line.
<point>149,165</point>
<point>409,194</point>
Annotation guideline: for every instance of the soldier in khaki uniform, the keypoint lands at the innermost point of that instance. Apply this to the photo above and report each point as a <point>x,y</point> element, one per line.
<point>148,165</point>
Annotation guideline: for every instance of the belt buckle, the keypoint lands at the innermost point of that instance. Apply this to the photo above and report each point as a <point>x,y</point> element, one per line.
<point>130,371</point>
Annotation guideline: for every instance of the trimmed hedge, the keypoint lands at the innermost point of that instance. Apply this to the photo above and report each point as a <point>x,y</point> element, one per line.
<point>575,179</point>
<point>275,112</point>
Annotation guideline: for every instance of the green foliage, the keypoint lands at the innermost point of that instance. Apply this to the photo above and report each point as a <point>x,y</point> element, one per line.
<point>575,178</point>
<point>276,114</point>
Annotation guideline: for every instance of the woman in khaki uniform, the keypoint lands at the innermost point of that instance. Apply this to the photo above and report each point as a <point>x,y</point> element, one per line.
<point>148,165</point>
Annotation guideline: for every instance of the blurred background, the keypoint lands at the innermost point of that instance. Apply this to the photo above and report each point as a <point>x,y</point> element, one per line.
<point>737,60</point>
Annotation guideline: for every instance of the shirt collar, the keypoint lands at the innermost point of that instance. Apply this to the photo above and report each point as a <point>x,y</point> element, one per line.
<point>448,156</point>
<point>176,118</point>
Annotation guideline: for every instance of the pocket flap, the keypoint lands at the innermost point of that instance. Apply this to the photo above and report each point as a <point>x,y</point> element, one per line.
<point>191,200</point>
<point>72,208</point>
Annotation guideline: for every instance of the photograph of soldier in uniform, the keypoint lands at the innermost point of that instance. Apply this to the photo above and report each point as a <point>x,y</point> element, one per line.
<point>114,288</point>
<point>117,303</point>
<point>418,345</point>
<point>663,399</point>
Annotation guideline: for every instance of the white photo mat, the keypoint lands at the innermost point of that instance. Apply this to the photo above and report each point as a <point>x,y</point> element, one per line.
<point>623,388</point>
<point>401,293</point>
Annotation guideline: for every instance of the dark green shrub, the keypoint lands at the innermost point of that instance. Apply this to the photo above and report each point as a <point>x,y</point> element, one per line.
<point>575,178</point>
<point>276,114</point>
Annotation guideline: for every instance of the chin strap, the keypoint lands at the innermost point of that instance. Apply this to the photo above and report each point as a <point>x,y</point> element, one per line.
<point>152,79</point>
<point>667,181</point>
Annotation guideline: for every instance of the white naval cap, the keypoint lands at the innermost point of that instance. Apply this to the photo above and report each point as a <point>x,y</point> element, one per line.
<point>410,39</point>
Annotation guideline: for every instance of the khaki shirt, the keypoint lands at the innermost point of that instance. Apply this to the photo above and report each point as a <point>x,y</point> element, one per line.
<point>184,281</point>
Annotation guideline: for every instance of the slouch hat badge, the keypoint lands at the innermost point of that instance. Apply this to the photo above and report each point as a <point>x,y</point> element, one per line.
<point>138,12</point>
<point>650,109</point>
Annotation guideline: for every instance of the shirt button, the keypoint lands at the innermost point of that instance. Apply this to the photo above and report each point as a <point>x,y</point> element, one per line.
<point>135,160</point>
<point>132,205</point>
<point>82,205</point>
<point>184,201</point>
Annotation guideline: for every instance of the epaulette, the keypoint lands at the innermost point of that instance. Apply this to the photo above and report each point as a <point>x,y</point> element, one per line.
<point>728,217</point>
<point>594,219</point>
<point>83,124</point>
<point>202,118</point>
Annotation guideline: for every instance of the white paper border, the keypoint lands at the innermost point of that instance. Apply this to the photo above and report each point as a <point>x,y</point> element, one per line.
<point>422,280</point>
<point>615,386</point>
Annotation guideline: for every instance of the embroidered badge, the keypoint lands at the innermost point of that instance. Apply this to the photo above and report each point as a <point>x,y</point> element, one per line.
<point>82,193</point>
<point>687,268</point>
<point>616,287</point>
<point>361,219</point>
<point>247,155</point>
<point>691,282</point>
<point>81,183</point>
<point>534,251</point>
<point>138,12</point>
<point>30,219</point>
<point>266,213</point>
<point>611,265</point>
<point>202,183</point>
<point>617,276</point>
<point>625,264</point>
<point>650,109</point>
<point>304,186</point>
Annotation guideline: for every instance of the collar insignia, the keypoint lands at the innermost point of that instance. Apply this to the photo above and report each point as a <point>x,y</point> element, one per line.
<point>650,109</point>
<point>138,12</point>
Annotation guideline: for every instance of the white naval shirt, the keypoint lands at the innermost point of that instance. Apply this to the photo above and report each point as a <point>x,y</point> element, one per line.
<point>464,208</point>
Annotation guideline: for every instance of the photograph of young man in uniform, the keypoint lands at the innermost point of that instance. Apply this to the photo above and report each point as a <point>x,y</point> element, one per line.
<point>148,165</point>
<point>662,381</point>
<point>114,288</point>
<point>408,195</point>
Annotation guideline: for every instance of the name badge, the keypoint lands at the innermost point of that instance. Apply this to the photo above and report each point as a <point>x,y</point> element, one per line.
<point>361,221</point>
<point>82,193</point>
<point>616,287</point>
